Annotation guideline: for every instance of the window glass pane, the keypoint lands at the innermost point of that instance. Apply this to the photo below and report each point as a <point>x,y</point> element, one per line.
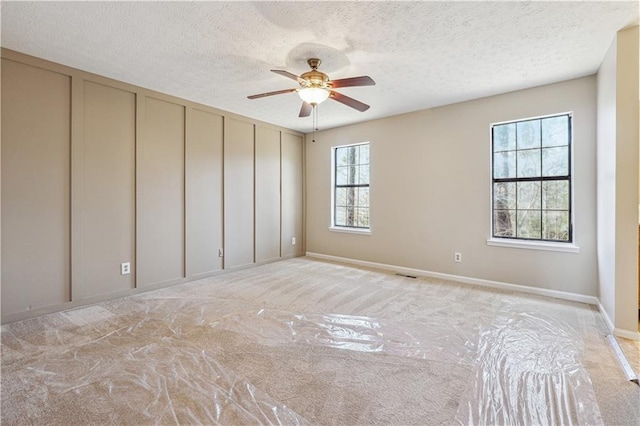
<point>363,176</point>
<point>504,165</point>
<point>341,216</point>
<point>364,154</point>
<point>504,223</point>
<point>555,131</point>
<point>555,195</point>
<point>363,217</point>
<point>351,196</point>
<point>351,216</point>
<point>342,157</point>
<point>528,134</point>
<point>353,175</point>
<point>341,197</point>
<point>529,163</point>
<point>352,154</point>
<point>342,175</point>
<point>504,137</point>
<point>504,195</point>
<point>529,225</point>
<point>555,161</point>
<point>346,175</point>
<point>363,197</point>
<point>528,195</point>
<point>555,225</point>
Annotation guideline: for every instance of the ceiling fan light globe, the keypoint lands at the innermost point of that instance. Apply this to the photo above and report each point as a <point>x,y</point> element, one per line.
<point>313,95</point>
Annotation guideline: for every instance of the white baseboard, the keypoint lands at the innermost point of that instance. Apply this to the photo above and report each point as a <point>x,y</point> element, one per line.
<point>591,300</point>
<point>606,317</point>
<point>574,297</point>
<point>627,334</point>
<point>620,332</point>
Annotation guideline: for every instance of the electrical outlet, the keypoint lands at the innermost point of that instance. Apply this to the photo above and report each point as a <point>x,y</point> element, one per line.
<point>457,257</point>
<point>125,268</point>
<point>293,241</point>
<point>220,253</point>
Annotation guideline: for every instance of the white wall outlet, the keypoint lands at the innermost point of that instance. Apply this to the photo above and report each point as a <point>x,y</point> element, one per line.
<point>220,253</point>
<point>457,257</point>
<point>125,268</point>
<point>293,241</point>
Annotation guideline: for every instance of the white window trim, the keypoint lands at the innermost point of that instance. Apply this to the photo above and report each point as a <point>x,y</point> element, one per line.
<point>347,230</point>
<point>332,225</point>
<point>569,247</point>
<point>533,245</point>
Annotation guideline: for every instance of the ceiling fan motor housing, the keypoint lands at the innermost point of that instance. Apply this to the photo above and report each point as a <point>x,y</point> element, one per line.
<point>314,78</point>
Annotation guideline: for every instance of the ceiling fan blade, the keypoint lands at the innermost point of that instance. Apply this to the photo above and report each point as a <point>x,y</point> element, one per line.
<point>364,80</point>
<point>348,101</point>
<point>305,110</point>
<point>288,75</point>
<point>278,92</point>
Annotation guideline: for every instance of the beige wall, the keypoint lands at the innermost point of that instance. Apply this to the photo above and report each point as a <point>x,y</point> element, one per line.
<point>35,187</point>
<point>618,145</point>
<point>430,191</point>
<point>627,138</point>
<point>108,192</point>
<point>606,178</point>
<point>238,193</point>
<point>267,182</point>
<point>97,172</point>
<point>292,195</point>
<point>160,189</point>
<point>204,192</point>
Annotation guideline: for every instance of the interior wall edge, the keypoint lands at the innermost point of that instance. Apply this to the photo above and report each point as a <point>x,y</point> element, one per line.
<point>574,297</point>
<point>77,143</point>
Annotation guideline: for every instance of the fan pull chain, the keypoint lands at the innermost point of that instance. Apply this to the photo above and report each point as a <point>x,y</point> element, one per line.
<point>315,122</point>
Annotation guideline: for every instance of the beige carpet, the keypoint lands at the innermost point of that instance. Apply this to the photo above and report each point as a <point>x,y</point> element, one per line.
<point>310,342</point>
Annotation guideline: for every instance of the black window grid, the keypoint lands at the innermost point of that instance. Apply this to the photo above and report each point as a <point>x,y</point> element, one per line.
<point>337,186</point>
<point>540,179</point>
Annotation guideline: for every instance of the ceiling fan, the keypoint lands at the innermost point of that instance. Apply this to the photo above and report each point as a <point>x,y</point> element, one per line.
<point>315,88</point>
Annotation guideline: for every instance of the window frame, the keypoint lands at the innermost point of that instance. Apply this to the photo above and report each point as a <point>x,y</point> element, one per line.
<point>334,186</point>
<point>535,243</point>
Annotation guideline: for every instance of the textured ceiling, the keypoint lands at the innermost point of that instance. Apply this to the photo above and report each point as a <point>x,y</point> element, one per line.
<point>421,54</point>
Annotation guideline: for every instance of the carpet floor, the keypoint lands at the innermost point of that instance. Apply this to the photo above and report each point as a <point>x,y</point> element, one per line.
<point>304,341</point>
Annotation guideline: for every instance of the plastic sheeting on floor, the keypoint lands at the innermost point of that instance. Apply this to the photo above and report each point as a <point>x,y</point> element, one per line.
<point>150,370</point>
<point>527,367</point>
<point>160,358</point>
<point>529,371</point>
<point>430,340</point>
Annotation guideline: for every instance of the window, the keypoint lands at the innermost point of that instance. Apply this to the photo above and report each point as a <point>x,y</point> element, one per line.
<point>531,163</point>
<point>350,207</point>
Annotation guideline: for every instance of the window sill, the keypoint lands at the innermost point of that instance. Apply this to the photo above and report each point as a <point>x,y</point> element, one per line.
<point>534,245</point>
<point>350,230</point>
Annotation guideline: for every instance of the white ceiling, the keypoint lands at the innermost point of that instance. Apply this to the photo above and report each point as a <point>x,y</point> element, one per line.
<point>421,54</point>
